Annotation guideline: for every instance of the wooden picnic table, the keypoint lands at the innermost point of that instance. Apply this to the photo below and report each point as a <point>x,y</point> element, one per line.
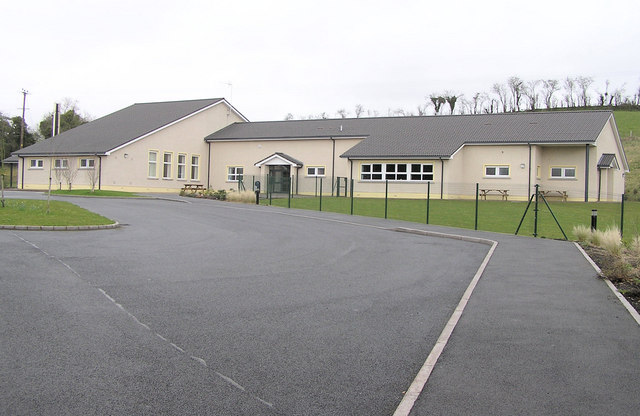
<point>562,194</point>
<point>193,187</point>
<point>504,193</point>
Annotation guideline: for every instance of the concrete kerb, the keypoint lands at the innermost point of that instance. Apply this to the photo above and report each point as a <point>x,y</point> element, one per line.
<point>611,286</point>
<point>416,387</point>
<point>60,227</point>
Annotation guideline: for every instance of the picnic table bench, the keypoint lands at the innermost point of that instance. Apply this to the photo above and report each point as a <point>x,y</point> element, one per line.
<point>562,194</point>
<point>193,187</point>
<point>504,193</point>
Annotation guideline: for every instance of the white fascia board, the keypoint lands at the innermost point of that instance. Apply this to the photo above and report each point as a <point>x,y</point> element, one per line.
<point>625,163</point>
<point>273,157</point>
<point>173,123</point>
<point>283,139</point>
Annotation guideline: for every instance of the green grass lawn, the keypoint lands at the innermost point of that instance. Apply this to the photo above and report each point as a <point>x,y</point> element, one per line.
<point>498,216</point>
<point>34,212</point>
<point>87,192</point>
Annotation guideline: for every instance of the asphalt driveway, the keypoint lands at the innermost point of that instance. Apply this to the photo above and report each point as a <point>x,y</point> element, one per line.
<point>206,307</point>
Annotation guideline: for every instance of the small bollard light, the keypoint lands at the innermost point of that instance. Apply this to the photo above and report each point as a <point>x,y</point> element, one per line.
<point>594,219</point>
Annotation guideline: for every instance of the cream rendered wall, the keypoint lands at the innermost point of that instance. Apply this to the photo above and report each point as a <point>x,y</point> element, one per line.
<point>567,156</point>
<point>612,183</point>
<point>467,167</point>
<point>38,178</point>
<point>246,154</point>
<point>127,168</point>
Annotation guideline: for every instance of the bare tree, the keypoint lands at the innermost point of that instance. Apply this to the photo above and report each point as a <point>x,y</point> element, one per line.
<point>451,99</point>
<point>569,87</point>
<point>422,110</point>
<point>531,92</point>
<point>501,92</point>
<point>69,174</point>
<point>549,88</point>
<point>516,86</point>
<point>584,83</point>
<point>359,110</point>
<point>438,101</point>
<point>342,113</point>
<point>617,96</point>
<point>288,117</point>
<point>92,176</point>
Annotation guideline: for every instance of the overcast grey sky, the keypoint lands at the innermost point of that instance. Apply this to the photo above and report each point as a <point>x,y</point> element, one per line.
<point>303,57</point>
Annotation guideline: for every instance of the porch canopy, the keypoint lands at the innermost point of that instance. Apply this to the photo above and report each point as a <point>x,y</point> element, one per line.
<point>279,159</point>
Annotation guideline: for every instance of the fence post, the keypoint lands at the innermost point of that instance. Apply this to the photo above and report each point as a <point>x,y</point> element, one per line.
<point>386,197</point>
<point>535,213</point>
<point>622,216</point>
<point>428,199</point>
<point>477,190</point>
<point>351,196</point>
<point>289,193</point>
<point>320,194</point>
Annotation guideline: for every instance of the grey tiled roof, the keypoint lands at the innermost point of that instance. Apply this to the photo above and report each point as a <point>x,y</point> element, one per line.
<point>432,136</point>
<point>116,129</point>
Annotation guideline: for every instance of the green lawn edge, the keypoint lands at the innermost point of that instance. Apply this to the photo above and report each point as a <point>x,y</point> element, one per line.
<point>32,212</point>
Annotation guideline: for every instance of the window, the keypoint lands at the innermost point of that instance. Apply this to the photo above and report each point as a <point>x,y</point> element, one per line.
<point>195,164</point>
<point>166,165</point>
<point>153,164</point>
<point>315,171</point>
<point>538,172</point>
<point>61,164</point>
<point>182,166</point>
<point>496,171</point>
<point>234,173</point>
<point>36,164</point>
<point>563,172</point>
<point>396,172</point>
<point>87,164</point>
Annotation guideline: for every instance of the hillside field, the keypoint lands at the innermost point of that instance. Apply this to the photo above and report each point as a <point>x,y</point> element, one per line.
<point>629,128</point>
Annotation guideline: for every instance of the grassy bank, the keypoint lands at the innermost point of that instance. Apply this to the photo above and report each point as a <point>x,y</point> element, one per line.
<point>34,212</point>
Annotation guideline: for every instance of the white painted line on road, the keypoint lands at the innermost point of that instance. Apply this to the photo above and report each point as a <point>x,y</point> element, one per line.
<point>416,387</point>
<point>634,314</point>
<point>134,318</point>
<point>200,360</point>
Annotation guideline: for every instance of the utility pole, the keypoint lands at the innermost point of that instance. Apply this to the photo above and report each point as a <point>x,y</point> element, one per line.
<point>24,102</point>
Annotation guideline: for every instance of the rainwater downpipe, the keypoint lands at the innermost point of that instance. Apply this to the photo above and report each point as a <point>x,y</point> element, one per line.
<point>208,165</point>
<point>586,174</point>
<point>529,187</point>
<point>333,162</point>
<point>22,175</point>
<point>441,178</point>
<point>99,172</point>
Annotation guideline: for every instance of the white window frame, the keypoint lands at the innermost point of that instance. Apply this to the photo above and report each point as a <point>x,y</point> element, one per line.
<point>315,171</point>
<point>398,172</point>
<point>153,164</point>
<point>563,172</point>
<point>167,165</point>
<point>87,163</point>
<point>181,170</point>
<point>36,164</point>
<point>195,168</point>
<point>235,173</point>
<point>61,163</point>
<point>497,169</point>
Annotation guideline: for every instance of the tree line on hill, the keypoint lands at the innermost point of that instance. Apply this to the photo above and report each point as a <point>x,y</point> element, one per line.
<point>514,95</point>
<point>11,128</point>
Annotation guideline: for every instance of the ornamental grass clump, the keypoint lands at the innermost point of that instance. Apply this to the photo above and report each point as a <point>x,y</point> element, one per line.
<point>610,240</point>
<point>582,233</point>
<point>246,197</point>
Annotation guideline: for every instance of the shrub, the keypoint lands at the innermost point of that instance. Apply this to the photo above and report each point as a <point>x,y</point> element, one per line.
<point>634,247</point>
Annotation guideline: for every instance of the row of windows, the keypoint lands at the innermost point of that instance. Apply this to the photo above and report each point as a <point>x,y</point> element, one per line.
<point>396,171</point>
<point>557,172</point>
<point>166,166</point>
<point>62,164</point>
<point>235,173</point>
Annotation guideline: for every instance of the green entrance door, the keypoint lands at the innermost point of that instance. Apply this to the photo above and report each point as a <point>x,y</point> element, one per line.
<point>280,178</point>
